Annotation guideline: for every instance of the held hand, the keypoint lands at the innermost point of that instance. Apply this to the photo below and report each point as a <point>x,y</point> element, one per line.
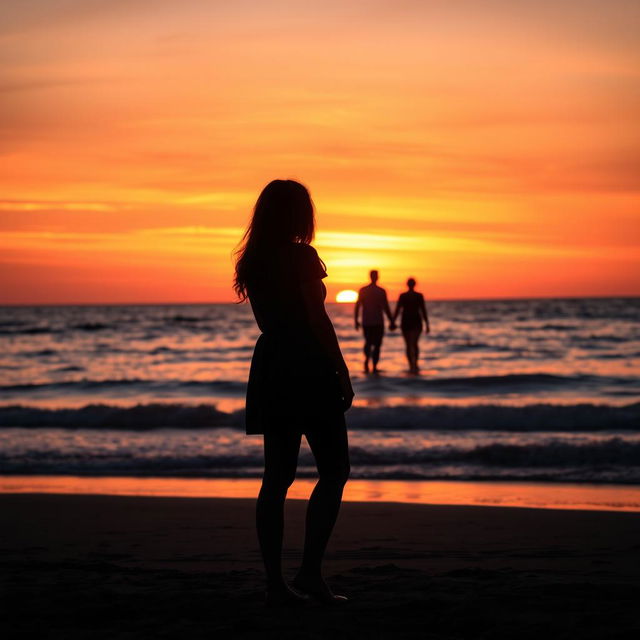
<point>345,389</point>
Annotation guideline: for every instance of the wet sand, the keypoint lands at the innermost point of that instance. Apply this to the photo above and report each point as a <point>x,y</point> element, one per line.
<point>86,566</point>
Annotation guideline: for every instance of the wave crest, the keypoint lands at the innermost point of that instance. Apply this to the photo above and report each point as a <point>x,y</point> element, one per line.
<point>537,417</point>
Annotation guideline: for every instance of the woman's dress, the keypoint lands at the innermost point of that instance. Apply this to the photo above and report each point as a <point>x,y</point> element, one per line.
<point>292,384</point>
<point>412,303</point>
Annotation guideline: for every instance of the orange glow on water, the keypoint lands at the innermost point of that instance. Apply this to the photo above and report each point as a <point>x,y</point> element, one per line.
<point>504,494</point>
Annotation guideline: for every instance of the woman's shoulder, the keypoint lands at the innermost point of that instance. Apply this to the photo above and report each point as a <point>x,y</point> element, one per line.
<point>307,261</point>
<point>303,249</point>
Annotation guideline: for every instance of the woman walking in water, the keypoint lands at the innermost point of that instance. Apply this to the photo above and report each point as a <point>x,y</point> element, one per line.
<point>413,308</point>
<point>298,383</point>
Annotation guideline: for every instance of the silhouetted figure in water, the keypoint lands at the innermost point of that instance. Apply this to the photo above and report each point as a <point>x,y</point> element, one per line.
<point>298,383</point>
<point>373,300</point>
<point>413,308</point>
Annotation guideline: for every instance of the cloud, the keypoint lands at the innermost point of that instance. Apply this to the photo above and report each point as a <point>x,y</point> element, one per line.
<point>12,205</point>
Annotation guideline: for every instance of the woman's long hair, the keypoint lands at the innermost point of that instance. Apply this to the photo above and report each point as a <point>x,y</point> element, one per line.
<point>283,214</point>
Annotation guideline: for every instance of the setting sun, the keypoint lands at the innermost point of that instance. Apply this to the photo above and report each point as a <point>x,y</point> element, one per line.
<point>347,295</point>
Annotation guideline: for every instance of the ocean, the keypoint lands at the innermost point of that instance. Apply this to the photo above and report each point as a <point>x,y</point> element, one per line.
<point>544,390</point>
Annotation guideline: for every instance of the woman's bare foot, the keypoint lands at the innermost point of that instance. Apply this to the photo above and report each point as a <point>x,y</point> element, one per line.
<point>316,586</point>
<point>283,595</point>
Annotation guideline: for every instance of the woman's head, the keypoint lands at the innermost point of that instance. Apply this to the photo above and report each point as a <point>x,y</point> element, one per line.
<point>411,283</point>
<point>282,214</point>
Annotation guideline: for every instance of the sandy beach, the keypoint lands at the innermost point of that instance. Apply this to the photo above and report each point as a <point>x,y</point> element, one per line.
<point>77,566</point>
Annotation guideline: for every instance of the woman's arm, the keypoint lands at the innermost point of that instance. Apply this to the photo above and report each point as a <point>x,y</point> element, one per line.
<point>322,329</point>
<point>398,308</point>
<point>387,310</point>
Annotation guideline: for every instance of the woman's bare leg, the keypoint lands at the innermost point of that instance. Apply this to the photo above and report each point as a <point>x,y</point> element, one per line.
<point>411,337</point>
<point>280,463</point>
<point>331,451</point>
<point>407,348</point>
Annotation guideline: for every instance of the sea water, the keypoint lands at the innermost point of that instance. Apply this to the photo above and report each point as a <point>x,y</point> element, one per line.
<point>544,390</point>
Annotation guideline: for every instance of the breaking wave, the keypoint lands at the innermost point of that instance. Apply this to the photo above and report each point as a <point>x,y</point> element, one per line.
<point>608,460</point>
<point>483,417</point>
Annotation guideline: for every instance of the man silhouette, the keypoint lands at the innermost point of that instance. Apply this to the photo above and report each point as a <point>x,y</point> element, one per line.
<point>373,300</point>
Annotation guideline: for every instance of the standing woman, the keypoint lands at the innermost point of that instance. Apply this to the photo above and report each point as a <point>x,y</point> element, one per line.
<point>298,383</point>
<point>413,311</point>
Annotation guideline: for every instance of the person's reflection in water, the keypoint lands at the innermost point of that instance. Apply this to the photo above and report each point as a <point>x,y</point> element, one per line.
<point>298,383</point>
<point>413,308</point>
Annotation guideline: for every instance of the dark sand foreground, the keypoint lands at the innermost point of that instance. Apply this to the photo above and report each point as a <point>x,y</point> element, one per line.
<point>121,567</point>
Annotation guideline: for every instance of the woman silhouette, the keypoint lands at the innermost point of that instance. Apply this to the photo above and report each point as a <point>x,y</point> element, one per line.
<point>413,308</point>
<point>298,383</point>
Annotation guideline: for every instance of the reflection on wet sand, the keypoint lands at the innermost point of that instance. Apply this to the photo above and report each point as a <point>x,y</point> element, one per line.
<point>505,494</point>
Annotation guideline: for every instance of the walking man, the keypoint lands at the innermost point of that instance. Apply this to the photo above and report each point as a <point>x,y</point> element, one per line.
<point>374,303</point>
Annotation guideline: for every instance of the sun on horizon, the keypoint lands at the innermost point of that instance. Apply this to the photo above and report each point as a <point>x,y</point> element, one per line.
<point>347,295</point>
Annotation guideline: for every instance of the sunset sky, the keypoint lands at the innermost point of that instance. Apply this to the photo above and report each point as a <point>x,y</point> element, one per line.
<point>489,149</point>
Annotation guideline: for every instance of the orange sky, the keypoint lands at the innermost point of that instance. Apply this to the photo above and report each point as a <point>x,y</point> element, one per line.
<point>488,149</point>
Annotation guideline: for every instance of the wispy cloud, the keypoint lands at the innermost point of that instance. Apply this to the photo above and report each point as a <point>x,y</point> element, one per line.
<point>56,206</point>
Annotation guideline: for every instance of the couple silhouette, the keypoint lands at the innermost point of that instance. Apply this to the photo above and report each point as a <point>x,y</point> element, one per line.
<point>373,302</point>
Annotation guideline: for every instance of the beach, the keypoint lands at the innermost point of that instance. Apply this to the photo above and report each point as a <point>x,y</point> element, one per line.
<point>78,566</point>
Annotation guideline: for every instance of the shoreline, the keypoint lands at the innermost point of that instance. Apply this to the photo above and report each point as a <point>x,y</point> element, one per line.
<point>508,494</point>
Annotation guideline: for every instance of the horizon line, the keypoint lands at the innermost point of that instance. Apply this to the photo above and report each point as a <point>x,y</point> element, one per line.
<point>201,303</point>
